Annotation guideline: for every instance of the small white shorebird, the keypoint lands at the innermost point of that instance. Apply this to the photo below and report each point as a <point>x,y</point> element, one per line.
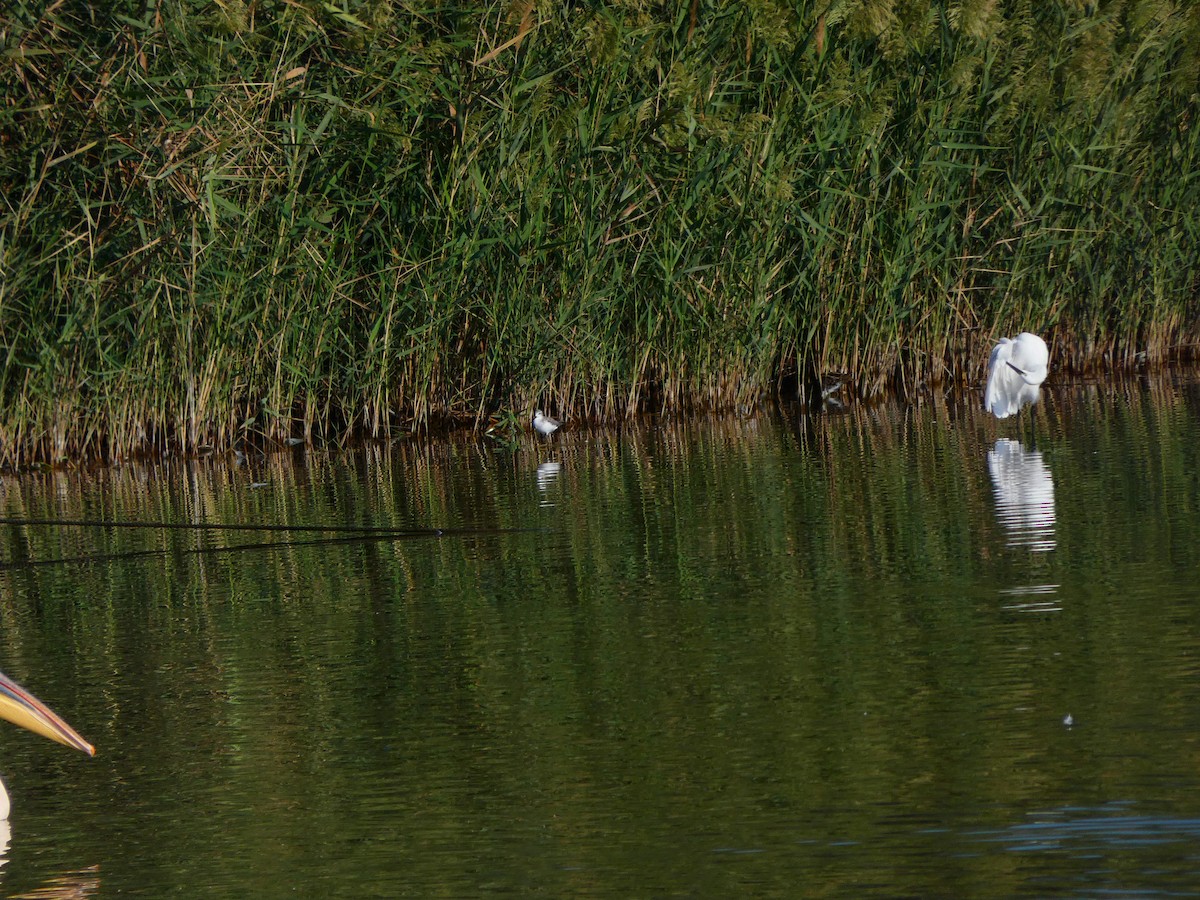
<point>1015,370</point>
<point>543,424</point>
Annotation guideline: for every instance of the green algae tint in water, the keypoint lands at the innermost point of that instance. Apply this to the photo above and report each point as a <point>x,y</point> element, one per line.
<point>772,657</point>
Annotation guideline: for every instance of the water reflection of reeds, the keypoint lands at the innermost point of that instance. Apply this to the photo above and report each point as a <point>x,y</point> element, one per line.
<point>809,613</point>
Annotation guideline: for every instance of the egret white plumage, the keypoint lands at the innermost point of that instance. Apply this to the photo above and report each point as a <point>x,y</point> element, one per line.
<point>20,707</point>
<point>543,424</point>
<point>1016,369</point>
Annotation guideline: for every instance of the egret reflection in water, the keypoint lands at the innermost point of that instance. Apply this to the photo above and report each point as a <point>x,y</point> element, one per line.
<point>1024,490</point>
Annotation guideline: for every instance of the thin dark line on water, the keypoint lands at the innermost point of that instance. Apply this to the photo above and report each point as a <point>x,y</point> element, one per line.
<point>220,526</point>
<point>357,533</point>
<point>212,551</point>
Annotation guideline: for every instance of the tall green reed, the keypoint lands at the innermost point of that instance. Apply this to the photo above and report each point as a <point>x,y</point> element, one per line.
<point>250,222</point>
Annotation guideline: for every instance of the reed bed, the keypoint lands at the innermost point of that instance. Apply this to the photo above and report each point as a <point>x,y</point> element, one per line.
<point>244,222</point>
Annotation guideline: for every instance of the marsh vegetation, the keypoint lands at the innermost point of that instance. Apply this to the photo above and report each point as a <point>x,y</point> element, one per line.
<point>253,221</point>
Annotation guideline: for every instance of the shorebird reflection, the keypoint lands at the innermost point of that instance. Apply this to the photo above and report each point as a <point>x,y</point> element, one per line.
<point>1024,490</point>
<point>547,474</point>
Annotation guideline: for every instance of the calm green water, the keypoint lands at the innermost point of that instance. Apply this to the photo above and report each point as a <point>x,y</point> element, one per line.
<point>775,657</point>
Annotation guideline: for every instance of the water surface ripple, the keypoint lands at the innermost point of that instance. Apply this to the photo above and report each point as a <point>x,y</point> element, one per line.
<point>775,656</point>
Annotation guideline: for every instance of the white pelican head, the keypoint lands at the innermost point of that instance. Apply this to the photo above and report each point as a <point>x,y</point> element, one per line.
<point>22,708</point>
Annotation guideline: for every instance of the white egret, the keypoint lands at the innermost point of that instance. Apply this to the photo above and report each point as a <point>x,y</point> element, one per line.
<point>543,424</point>
<point>1015,370</point>
<point>20,707</point>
